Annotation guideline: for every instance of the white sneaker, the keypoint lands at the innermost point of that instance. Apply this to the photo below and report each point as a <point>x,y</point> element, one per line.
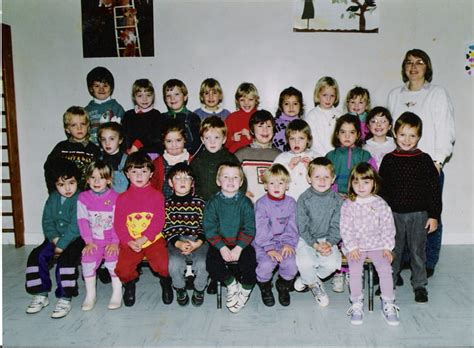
<point>319,293</point>
<point>390,312</point>
<point>63,307</point>
<point>338,282</point>
<point>37,304</point>
<point>356,311</point>
<point>299,285</point>
<point>242,298</point>
<point>233,290</point>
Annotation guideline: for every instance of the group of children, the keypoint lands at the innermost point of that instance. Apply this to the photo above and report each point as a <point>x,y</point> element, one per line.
<point>236,195</point>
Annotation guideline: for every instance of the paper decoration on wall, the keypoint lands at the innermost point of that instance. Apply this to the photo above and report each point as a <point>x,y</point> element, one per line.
<point>341,16</point>
<point>470,59</point>
<point>117,28</point>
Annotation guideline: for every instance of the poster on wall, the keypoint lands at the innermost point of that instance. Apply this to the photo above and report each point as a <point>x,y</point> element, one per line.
<point>338,16</point>
<point>117,28</point>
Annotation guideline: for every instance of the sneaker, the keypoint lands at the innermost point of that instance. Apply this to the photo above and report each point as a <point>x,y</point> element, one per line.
<point>299,286</point>
<point>198,298</point>
<point>37,304</point>
<point>390,313</point>
<point>338,282</point>
<point>242,298</point>
<point>320,294</point>
<point>63,307</point>
<point>356,311</point>
<point>182,297</point>
<point>233,290</point>
<point>421,295</point>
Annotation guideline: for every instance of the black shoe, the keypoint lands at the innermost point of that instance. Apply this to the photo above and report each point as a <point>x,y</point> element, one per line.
<point>283,288</point>
<point>182,297</point>
<point>421,295</point>
<point>399,281</point>
<point>267,295</point>
<point>429,272</point>
<point>129,293</point>
<point>212,287</point>
<point>166,290</point>
<point>103,275</point>
<point>378,291</point>
<point>198,298</point>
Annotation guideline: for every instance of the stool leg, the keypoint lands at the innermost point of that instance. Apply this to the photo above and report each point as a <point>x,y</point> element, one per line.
<point>219,295</point>
<point>371,286</point>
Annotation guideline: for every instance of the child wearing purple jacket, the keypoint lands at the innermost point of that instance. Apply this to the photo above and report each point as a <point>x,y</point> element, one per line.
<point>276,236</point>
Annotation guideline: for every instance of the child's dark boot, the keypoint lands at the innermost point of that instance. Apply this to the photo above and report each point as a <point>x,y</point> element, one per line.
<point>267,295</point>
<point>283,288</point>
<point>129,293</point>
<point>167,290</point>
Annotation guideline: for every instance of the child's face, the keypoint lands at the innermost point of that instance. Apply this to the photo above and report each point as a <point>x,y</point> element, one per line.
<point>144,99</point>
<point>327,97</point>
<point>379,126</point>
<point>66,187</point>
<point>181,183</point>
<point>321,178</point>
<point>276,186</point>
<point>298,142</point>
<point>407,138</point>
<point>175,99</point>
<point>229,181</point>
<point>357,105</point>
<point>77,128</point>
<point>100,90</point>
<point>247,102</point>
<point>174,143</point>
<point>211,99</point>
<point>347,135</point>
<point>213,140</point>
<point>291,106</point>
<point>97,182</point>
<point>363,187</point>
<point>139,177</point>
<point>110,141</point>
<point>263,132</point>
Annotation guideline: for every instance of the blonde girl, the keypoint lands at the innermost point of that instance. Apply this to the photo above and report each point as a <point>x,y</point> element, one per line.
<point>358,104</point>
<point>211,96</point>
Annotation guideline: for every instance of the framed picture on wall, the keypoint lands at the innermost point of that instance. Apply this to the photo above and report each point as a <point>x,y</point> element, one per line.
<point>339,16</point>
<point>117,28</point>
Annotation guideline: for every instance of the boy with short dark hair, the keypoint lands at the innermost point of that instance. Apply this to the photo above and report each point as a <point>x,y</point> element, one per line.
<point>138,221</point>
<point>412,190</point>
<point>63,241</point>
<point>184,234</point>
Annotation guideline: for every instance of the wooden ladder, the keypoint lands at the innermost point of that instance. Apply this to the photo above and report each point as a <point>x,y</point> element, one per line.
<point>122,25</point>
<point>12,204</point>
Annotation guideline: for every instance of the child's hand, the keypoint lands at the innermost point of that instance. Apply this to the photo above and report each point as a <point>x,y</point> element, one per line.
<point>388,255</point>
<point>354,254</point>
<point>132,149</point>
<point>226,254</point>
<point>236,253</point>
<point>112,249</point>
<point>194,245</point>
<point>140,241</point>
<point>134,246</point>
<point>324,248</point>
<point>287,250</point>
<point>294,161</point>
<point>275,255</point>
<point>89,249</point>
<point>246,133</point>
<point>182,245</point>
<point>57,251</point>
<point>236,137</point>
<point>305,160</point>
<point>431,225</point>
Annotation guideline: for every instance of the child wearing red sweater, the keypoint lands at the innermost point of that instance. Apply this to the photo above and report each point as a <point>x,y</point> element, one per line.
<point>139,219</point>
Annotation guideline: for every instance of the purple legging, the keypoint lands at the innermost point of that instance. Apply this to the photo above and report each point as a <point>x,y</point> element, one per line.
<point>384,270</point>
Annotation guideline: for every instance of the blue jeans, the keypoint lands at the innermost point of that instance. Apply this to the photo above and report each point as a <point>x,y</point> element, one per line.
<point>433,242</point>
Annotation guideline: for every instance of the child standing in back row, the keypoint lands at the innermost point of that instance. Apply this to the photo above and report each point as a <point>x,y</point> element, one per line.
<point>368,230</point>
<point>95,218</point>
<point>211,96</point>
<point>358,104</point>
<point>238,132</point>
<point>290,107</point>
<point>102,108</point>
<point>322,118</point>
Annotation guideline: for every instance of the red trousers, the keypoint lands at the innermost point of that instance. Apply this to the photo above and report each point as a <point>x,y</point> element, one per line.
<point>128,260</point>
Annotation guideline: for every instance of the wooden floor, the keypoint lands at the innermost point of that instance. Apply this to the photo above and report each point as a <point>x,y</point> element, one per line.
<point>446,320</point>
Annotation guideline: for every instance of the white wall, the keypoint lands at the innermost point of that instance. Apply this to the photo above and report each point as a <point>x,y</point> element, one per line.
<point>236,41</point>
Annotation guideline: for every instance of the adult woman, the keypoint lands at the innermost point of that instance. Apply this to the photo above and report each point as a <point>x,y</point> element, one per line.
<point>433,105</point>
